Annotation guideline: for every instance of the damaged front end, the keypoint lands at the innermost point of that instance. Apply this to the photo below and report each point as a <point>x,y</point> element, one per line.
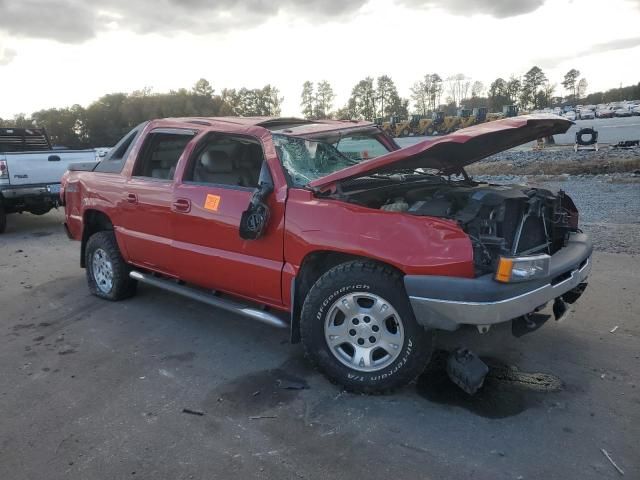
<point>501,221</point>
<point>527,248</point>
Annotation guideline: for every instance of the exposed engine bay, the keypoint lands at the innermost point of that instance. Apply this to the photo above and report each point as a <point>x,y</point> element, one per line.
<point>501,220</point>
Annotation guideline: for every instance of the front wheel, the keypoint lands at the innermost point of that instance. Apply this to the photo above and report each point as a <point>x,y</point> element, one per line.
<point>358,328</point>
<point>107,272</point>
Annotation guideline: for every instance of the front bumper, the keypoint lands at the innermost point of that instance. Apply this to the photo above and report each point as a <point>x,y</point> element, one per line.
<point>446,303</point>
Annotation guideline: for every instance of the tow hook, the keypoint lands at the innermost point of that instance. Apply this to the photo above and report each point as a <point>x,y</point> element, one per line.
<point>466,370</point>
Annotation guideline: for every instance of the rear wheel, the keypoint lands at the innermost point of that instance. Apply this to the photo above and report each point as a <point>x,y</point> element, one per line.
<point>358,328</point>
<point>107,272</point>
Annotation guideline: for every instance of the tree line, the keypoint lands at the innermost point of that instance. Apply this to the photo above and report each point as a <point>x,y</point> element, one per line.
<point>106,120</point>
<point>371,98</point>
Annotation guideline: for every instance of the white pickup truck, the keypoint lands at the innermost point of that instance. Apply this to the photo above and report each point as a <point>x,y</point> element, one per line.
<point>30,171</point>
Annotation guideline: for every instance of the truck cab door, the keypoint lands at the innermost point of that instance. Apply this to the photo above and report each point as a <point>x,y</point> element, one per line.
<point>145,207</point>
<point>216,187</point>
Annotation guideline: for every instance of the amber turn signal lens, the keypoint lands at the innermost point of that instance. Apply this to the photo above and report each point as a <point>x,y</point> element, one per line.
<point>503,274</point>
<point>522,269</point>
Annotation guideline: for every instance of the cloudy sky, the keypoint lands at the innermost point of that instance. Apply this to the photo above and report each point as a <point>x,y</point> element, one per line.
<point>55,53</point>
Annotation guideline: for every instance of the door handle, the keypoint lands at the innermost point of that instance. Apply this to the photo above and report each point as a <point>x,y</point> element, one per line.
<point>132,198</point>
<point>53,158</point>
<point>182,205</point>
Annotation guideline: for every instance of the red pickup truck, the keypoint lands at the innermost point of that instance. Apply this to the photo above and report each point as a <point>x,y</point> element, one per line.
<point>362,248</point>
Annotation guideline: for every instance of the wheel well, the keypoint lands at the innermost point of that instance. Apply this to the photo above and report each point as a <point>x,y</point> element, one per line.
<point>94,221</point>
<point>312,268</point>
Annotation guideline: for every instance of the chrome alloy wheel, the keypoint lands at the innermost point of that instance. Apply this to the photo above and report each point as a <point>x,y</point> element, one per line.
<point>102,270</point>
<point>364,332</point>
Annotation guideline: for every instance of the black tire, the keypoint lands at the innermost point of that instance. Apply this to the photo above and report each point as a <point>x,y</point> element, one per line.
<point>367,278</point>
<point>122,286</point>
<point>3,219</point>
<point>593,136</point>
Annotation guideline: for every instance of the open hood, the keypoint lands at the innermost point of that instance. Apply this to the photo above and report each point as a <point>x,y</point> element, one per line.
<point>452,152</point>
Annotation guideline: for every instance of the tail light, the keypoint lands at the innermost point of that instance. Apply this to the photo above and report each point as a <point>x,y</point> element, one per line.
<point>4,170</point>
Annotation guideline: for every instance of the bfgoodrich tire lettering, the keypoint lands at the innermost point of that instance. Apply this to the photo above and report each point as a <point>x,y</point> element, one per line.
<point>403,351</point>
<point>107,272</point>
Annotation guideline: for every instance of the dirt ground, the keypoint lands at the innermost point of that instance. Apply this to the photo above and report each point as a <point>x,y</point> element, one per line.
<point>92,389</point>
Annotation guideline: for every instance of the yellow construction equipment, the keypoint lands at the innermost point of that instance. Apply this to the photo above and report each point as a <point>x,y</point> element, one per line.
<point>439,123</point>
<point>466,119</point>
<point>469,117</point>
<point>389,126</point>
<point>416,125</point>
<point>403,127</point>
<point>450,124</point>
<point>435,124</point>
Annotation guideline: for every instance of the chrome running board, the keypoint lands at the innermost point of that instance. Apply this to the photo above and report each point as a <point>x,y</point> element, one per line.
<point>210,299</point>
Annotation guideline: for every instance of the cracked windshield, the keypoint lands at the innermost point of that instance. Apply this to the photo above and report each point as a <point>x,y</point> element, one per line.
<point>306,159</point>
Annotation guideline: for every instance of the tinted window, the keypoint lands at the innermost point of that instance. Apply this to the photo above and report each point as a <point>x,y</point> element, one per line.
<point>115,159</point>
<point>227,160</point>
<point>160,153</point>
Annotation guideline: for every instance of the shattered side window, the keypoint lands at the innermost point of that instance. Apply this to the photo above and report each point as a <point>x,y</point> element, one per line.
<point>305,160</point>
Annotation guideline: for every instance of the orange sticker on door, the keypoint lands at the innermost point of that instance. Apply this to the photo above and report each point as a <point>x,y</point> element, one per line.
<point>212,202</point>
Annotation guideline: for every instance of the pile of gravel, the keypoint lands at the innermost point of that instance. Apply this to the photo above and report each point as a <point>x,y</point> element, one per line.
<point>521,158</point>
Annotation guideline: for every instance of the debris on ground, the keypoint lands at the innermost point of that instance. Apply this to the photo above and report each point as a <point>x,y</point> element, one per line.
<point>606,454</point>
<point>290,384</point>
<point>466,370</point>
<point>66,350</point>
<point>260,417</point>
<point>627,144</point>
<point>193,412</point>
<point>613,329</point>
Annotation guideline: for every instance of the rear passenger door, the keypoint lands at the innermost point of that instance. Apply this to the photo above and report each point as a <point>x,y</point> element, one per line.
<point>145,224</point>
<point>215,188</point>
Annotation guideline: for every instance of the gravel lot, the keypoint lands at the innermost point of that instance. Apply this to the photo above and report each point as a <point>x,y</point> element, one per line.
<point>93,389</point>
